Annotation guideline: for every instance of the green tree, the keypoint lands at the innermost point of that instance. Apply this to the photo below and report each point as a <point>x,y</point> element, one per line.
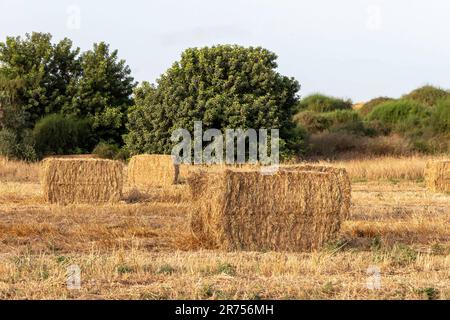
<point>103,93</point>
<point>225,86</point>
<point>15,138</point>
<point>12,116</point>
<point>45,70</point>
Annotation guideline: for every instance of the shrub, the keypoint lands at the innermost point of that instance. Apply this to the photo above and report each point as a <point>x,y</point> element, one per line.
<point>8,143</point>
<point>338,120</point>
<point>427,95</point>
<point>345,120</point>
<point>440,119</point>
<point>110,151</point>
<point>333,144</point>
<point>13,147</point>
<point>322,103</point>
<point>329,144</point>
<point>58,134</point>
<point>312,122</point>
<point>401,115</point>
<point>377,127</point>
<point>370,105</point>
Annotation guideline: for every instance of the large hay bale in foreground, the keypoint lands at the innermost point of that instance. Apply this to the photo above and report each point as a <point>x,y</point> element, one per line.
<point>291,210</point>
<point>437,176</point>
<point>68,180</point>
<point>340,177</point>
<point>152,170</point>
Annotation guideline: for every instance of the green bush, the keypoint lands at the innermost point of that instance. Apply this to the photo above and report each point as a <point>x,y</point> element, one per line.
<point>427,95</point>
<point>440,119</point>
<point>312,122</point>
<point>338,120</point>
<point>345,120</point>
<point>402,115</point>
<point>322,103</point>
<point>58,134</point>
<point>8,144</point>
<point>13,147</point>
<point>110,151</point>
<point>370,105</point>
<point>377,127</point>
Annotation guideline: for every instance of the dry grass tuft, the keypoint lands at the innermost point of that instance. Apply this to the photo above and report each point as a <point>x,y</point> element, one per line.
<point>15,171</point>
<point>384,168</point>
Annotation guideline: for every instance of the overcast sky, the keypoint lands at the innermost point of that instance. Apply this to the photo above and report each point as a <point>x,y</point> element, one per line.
<point>357,49</point>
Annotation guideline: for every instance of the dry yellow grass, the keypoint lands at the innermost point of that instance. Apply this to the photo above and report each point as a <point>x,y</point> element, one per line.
<point>385,168</point>
<point>18,171</point>
<point>141,248</point>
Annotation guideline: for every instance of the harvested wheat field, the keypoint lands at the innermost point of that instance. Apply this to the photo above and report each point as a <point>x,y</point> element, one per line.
<point>142,248</point>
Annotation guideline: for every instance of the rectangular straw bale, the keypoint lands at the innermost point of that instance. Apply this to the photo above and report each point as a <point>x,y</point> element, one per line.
<point>152,170</point>
<point>186,169</point>
<point>437,176</point>
<point>66,180</point>
<point>340,177</point>
<point>246,210</point>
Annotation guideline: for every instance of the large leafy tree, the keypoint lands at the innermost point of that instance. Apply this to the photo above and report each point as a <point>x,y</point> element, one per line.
<point>45,70</point>
<point>103,93</point>
<point>224,86</point>
<point>15,141</point>
<point>46,78</point>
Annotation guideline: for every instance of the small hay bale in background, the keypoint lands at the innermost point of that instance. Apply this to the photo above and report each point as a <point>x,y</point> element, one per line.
<point>291,210</point>
<point>437,176</point>
<point>152,170</point>
<point>66,180</point>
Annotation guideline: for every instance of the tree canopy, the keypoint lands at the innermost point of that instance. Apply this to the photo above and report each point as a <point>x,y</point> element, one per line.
<point>39,78</point>
<point>225,86</point>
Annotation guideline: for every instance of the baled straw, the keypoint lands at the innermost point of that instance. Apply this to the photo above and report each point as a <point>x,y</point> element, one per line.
<point>340,177</point>
<point>437,176</point>
<point>68,180</point>
<point>291,210</point>
<point>152,170</point>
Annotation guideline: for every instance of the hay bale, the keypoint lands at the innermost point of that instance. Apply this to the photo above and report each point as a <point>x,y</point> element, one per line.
<point>152,170</point>
<point>291,210</point>
<point>66,180</point>
<point>437,176</point>
<point>340,177</point>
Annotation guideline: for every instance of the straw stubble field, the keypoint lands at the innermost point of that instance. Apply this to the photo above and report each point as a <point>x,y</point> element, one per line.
<point>141,247</point>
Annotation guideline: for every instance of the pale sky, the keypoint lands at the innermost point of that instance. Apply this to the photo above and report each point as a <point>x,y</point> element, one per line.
<point>356,49</point>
